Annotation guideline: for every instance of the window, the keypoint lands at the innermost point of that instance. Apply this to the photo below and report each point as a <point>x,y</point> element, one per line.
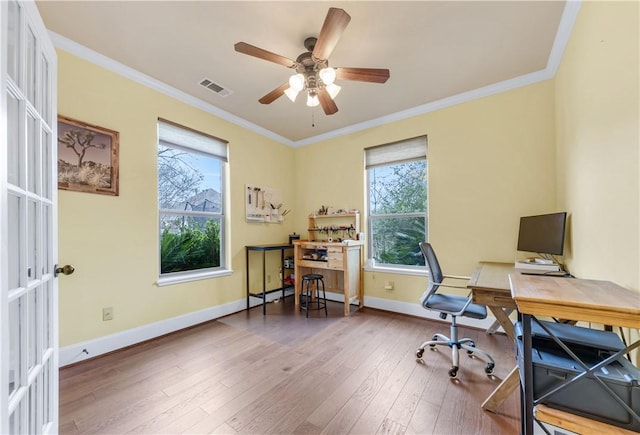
<point>191,203</point>
<point>397,203</point>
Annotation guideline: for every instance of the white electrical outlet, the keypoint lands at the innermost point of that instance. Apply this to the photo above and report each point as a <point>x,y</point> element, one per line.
<point>107,314</point>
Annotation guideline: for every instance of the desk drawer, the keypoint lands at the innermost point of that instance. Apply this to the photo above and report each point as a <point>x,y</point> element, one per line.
<point>335,258</point>
<point>313,246</point>
<point>335,264</point>
<point>313,264</point>
<point>493,298</point>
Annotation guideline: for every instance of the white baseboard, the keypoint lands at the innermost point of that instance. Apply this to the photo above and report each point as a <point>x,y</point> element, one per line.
<point>415,309</point>
<point>109,343</point>
<point>98,346</point>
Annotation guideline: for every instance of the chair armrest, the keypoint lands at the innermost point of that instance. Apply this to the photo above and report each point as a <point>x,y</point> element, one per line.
<point>454,286</point>
<point>457,277</point>
<point>465,278</point>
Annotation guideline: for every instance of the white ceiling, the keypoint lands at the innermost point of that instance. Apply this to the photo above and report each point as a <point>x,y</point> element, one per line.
<point>436,51</point>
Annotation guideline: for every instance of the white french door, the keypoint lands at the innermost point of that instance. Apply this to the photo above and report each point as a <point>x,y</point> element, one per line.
<point>28,213</point>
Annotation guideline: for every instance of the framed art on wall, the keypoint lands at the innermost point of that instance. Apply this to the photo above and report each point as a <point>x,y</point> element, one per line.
<point>87,157</point>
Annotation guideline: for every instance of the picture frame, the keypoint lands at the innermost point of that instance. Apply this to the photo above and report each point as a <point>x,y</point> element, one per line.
<point>87,157</point>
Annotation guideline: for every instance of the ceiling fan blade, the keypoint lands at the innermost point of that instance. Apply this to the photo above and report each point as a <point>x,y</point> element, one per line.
<point>371,75</point>
<point>252,50</point>
<point>327,103</point>
<point>275,94</point>
<point>334,24</point>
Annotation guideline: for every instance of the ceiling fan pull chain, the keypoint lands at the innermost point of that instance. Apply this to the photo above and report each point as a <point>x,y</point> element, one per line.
<point>313,118</point>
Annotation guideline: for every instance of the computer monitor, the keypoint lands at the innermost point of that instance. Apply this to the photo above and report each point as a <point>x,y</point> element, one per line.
<point>543,234</point>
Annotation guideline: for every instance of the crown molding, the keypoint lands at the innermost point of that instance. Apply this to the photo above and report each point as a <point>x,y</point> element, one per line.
<point>568,19</point>
<point>114,66</point>
<point>565,28</point>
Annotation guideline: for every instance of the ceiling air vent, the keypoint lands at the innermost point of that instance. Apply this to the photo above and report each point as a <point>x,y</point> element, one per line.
<point>214,87</point>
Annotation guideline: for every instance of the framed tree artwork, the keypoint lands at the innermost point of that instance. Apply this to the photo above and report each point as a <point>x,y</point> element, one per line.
<point>87,157</point>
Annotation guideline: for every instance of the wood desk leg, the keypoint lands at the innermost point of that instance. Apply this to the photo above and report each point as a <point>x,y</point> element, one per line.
<point>503,391</point>
<point>297,285</point>
<point>504,320</point>
<point>512,381</point>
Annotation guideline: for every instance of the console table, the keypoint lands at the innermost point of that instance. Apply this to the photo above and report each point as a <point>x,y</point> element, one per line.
<point>264,249</point>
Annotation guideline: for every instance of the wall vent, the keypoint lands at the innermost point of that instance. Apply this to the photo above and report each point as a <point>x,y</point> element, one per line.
<point>214,87</point>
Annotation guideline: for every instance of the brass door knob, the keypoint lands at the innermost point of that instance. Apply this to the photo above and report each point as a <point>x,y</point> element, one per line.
<point>67,269</point>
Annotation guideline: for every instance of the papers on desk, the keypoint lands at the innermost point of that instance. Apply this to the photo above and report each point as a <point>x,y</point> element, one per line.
<point>533,266</point>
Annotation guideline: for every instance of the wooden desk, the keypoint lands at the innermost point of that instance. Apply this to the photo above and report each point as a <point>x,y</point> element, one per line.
<point>578,299</point>
<point>489,286</point>
<point>341,268</point>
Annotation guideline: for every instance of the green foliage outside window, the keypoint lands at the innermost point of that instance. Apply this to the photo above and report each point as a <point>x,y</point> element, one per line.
<point>398,203</point>
<point>190,246</point>
<point>190,203</point>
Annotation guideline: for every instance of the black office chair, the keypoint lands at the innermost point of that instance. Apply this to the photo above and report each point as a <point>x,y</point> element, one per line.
<point>454,306</point>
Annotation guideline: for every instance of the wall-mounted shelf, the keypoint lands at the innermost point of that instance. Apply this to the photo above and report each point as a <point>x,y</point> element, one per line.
<point>337,226</point>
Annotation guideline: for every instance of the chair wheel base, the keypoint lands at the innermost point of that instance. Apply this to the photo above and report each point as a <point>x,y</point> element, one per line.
<point>453,372</point>
<point>488,369</point>
<point>419,353</point>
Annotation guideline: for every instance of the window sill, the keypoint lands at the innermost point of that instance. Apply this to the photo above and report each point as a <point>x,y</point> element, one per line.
<point>398,270</point>
<point>195,276</point>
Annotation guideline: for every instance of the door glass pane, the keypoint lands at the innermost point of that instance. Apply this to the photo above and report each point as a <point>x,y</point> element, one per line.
<point>30,86</point>
<point>13,40</point>
<point>46,394</point>
<point>33,174</point>
<point>32,240</point>
<point>14,418</point>
<point>46,164</point>
<point>45,259</point>
<point>31,329</point>
<point>15,350</point>
<point>47,298</point>
<point>15,258</point>
<point>34,405</point>
<point>14,151</point>
<point>45,110</point>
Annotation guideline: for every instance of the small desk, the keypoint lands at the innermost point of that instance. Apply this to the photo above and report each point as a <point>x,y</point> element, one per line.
<point>489,286</point>
<point>264,248</point>
<point>585,300</point>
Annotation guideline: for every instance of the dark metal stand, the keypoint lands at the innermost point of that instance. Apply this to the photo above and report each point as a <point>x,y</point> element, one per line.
<point>264,248</point>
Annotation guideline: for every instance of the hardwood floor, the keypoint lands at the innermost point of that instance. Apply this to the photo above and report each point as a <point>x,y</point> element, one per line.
<point>283,373</point>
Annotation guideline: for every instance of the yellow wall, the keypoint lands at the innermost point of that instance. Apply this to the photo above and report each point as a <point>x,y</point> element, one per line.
<point>475,201</point>
<point>597,116</point>
<point>565,144</point>
<point>490,162</point>
<point>113,241</point>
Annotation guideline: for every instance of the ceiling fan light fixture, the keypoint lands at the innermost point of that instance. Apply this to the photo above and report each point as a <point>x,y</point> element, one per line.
<point>327,75</point>
<point>296,82</point>
<point>333,90</point>
<point>312,100</point>
<point>291,94</point>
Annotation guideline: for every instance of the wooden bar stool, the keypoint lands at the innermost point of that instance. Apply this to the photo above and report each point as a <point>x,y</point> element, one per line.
<point>311,282</point>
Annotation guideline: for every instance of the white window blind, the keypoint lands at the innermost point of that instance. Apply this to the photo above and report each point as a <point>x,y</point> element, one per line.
<point>183,137</point>
<point>399,152</point>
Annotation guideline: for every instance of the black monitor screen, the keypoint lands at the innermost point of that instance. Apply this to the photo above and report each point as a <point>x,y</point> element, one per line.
<point>543,234</point>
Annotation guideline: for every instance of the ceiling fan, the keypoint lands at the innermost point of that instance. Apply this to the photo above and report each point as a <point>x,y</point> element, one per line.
<point>312,67</point>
